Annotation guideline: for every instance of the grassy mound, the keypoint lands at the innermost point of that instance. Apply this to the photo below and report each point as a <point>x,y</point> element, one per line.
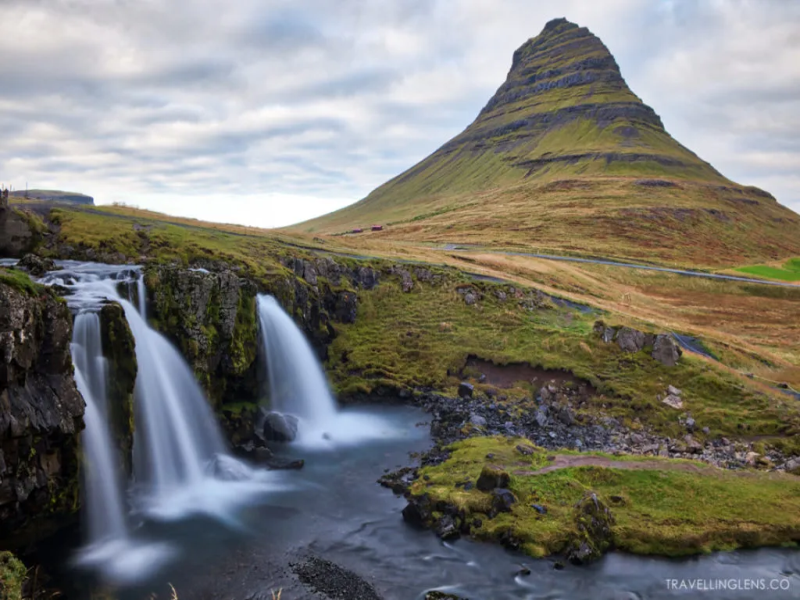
<point>659,506</point>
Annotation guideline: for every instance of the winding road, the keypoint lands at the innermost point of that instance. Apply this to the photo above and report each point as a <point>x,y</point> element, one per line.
<point>612,263</point>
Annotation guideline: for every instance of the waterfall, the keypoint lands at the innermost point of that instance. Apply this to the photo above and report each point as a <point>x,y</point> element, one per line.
<point>104,508</point>
<point>297,383</point>
<point>177,435</point>
<point>181,466</point>
<point>141,291</point>
<point>298,386</point>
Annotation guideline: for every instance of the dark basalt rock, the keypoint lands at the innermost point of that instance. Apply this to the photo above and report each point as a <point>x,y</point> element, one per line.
<point>278,427</point>
<point>465,389</point>
<point>333,581</point>
<point>502,500</point>
<point>40,413</point>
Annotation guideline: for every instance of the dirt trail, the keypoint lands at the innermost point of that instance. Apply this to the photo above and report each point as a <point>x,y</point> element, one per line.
<point>563,462</point>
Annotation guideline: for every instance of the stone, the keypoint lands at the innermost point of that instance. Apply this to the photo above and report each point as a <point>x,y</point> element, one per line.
<point>793,466</point>
<point>524,571</point>
<point>436,595</point>
<point>751,458</point>
<point>672,390</point>
<point>630,340</point>
<point>41,413</point>
<point>666,350</point>
<point>541,417</point>
<point>502,500</point>
<point>465,389</point>
<point>539,508</point>
<point>706,430</point>
<point>477,421</point>
<point>417,512</point>
<point>470,298</point>
<point>525,450</point>
<point>673,402</point>
<point>690,423</point>
<point>692,445</point>
<point>492,477</point>
<point>446,528</point>
<point>36,265</point>
<point>345,310</point>
<point>593,524</point>
<point>278,427</point>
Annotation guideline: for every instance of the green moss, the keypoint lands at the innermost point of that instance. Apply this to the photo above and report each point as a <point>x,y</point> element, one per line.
<point>12,576</point>
<point>244,343</point>
<point>19,280</point>
<point>676,509</point>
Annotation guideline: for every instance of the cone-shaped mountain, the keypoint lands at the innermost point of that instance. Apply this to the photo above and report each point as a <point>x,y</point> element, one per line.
<point>565,157</point>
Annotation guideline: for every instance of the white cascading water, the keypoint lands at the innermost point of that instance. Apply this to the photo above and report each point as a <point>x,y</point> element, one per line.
<point>181,466</point>
<point>104,507</point>
<point>298,385</point>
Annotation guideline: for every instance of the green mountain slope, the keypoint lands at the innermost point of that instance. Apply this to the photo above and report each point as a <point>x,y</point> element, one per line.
<point>566,157</point>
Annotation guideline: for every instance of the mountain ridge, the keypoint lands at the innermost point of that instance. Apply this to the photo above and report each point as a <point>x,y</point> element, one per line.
<point>565,120</point>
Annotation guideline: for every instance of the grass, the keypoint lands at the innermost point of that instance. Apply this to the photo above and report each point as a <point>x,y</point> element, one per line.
<point>423,339</point>
<point>12,576</point>
<point>790,271</point>
<point>671,510</point>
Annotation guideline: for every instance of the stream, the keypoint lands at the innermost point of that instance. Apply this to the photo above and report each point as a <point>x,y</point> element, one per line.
<point>334,509</point>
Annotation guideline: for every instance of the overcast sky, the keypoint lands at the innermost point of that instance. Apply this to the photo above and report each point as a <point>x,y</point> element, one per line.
<point>268,112</point>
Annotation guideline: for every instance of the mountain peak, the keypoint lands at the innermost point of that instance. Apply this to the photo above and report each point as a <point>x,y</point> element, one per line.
<point>563,138</point>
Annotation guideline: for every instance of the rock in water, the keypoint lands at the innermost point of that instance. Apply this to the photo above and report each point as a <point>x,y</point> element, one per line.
<point>36,265</point>
<point>279,427</point>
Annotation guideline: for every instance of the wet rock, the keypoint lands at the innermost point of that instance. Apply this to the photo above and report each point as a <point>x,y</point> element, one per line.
<point>36,265</point>
<point>278,464</point>
<point>418,511</point>
<point>41,412</point>
<point>399,481</point>
<point>278,427</point>
<point>666,350</point>
<point>524,571</point>
<point>446,528</point>
<point>436,595</point>
<point>492,477</point>
<point>630,340</point>
<point>465,389</point>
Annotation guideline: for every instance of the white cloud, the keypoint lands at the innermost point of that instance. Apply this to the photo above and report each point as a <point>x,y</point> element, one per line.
<point>268,112</point>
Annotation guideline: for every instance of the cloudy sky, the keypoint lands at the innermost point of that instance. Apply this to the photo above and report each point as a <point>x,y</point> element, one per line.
<point>267,112</point>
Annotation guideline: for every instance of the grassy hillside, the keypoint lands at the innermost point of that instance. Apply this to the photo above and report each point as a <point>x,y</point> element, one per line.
<point>565,157</point>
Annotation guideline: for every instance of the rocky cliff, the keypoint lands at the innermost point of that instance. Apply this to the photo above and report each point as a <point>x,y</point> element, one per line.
<point>40,409</point>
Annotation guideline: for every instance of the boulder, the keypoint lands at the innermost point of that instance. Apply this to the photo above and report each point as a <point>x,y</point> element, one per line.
<point>446,528</point>
<point>525,450</point>
<point>477,421</point>
<point>278,427</point>
<point>465,389</point>
<point>630,340</point>
<point>36,265</point>
<point>492,477</point>
<point>666,350</point>
<point>418,511</point>
<point>470,298</point>
<point>502,500</point>
<point>673,402</point>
